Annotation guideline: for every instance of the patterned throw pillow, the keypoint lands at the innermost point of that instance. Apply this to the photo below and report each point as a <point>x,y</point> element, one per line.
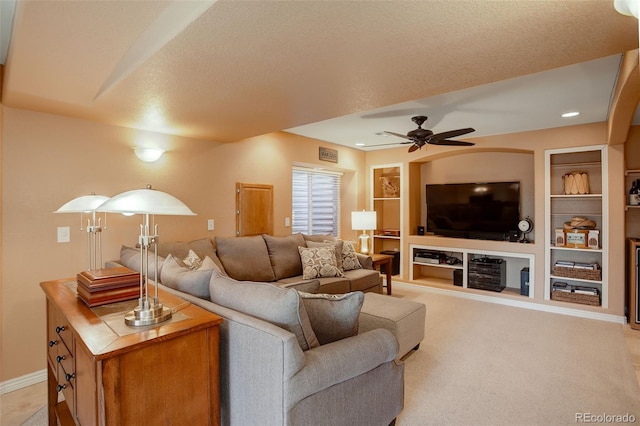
<point>349,258</point>
<point>319,262</point>
<point>192,261</point>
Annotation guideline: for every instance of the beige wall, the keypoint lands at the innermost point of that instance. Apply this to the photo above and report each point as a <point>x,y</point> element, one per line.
<point>48,160</point>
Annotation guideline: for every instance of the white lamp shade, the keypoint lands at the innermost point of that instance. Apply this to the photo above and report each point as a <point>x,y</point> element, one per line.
<point>627,7</point>
<point>85,203</point>
<point>141,201</point>
<point>148,155</point>
<point>363,221</point>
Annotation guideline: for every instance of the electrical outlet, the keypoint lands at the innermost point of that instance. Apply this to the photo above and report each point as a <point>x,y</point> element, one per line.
<point>64,234</point>
<point>210,225</point>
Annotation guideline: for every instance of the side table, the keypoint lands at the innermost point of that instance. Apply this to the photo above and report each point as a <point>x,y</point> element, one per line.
<point>113,374</point>
<point>383,259</point>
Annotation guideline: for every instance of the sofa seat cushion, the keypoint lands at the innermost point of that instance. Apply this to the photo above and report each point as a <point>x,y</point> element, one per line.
<point>284,255</point>
<point>279,306</point>
<point>245,258</point>
<point>178,276</point>
<point>362,279</point>
<point>333,316</point>
<point>330,285</point>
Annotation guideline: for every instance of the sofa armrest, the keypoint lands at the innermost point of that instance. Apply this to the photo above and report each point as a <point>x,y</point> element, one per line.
<point>365,260</point>
<point>339,361</point>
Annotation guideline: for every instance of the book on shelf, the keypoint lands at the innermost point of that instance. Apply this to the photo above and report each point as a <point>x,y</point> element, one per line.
<point>585,290</point>
<point>561,286</point>
<point>591,266</point>
<point>565,263</point>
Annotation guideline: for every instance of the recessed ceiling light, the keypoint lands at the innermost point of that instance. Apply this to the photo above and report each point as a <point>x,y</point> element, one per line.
<point>360,144</point>
<point>570,114</point>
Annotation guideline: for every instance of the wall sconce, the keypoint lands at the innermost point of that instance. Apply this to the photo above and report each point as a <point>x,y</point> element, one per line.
<point>148,155</point>
<point>364,221</point>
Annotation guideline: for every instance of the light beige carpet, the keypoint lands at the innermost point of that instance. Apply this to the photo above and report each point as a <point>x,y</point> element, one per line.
<point>489,364</point>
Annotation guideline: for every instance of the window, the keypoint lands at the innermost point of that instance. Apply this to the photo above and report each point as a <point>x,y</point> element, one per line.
<point>316,201</point>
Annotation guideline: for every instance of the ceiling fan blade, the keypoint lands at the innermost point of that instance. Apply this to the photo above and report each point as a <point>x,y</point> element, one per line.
<point>393,143</point>
<point>449,142</point>
<point>452,133</point>
<point>398,135</point>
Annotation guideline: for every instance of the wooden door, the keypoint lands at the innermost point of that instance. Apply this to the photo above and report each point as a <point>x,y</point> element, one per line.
<point>254,209</point>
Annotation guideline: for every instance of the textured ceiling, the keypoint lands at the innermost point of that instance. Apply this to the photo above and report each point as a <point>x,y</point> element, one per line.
<point>228,70</point>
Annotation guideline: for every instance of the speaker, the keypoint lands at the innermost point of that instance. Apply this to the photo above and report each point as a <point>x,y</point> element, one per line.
<point>524,281</point>
<point>420,230</point>
<point>457,277</point>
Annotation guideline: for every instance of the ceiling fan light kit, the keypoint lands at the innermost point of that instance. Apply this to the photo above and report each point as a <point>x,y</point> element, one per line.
<point>421,137</point>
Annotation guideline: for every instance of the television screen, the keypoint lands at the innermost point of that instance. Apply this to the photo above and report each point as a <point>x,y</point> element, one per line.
<point>473,210</point>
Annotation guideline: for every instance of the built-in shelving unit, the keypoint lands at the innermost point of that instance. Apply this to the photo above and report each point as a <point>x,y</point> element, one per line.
<point>386,201</point>
<point>568,245</point>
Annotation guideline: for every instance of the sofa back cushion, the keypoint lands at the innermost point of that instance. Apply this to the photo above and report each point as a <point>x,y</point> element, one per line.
<point>180,249</point>
<point>245,258</point>
<point>279,306</point>
<point>284,255</point>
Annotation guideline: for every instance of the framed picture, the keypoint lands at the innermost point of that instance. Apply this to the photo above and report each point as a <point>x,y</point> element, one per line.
<point>560,238</point>
<point>577,238</point>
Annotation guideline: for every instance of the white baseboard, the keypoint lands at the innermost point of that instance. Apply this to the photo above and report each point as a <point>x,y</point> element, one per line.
<point>517,303</point>
<point>23,381</point>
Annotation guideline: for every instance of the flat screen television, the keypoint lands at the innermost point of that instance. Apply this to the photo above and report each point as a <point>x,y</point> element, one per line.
<point>488,211</point>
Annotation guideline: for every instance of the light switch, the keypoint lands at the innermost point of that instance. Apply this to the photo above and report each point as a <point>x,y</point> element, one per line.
<point>287,221</point>
<point>210,225</point>
<point>64,235</point>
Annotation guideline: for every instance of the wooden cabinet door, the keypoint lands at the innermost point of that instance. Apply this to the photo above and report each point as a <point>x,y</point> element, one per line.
<point>254,209</point>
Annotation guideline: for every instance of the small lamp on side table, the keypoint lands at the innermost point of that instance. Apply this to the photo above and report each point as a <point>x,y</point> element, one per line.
<point>147,202</point>
<point>364,221</point>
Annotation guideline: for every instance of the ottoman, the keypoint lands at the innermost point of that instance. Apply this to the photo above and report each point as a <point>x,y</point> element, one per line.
<point>404,318</point>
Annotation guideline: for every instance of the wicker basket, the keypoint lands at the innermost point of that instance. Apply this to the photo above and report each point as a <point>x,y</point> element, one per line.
<point>585,299</point>
<point>583,274</point>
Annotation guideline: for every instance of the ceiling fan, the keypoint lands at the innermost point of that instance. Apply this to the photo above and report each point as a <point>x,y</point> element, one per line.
<point>420,137</point>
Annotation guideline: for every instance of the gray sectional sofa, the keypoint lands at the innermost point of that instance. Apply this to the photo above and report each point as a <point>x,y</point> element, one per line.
<point>268,375</point>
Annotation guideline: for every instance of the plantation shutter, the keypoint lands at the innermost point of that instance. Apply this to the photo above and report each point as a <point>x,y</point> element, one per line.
<point>316,202</point>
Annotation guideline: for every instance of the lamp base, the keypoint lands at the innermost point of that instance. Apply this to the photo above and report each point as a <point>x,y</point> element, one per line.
<point>154,314</point>
<point>364,243</point>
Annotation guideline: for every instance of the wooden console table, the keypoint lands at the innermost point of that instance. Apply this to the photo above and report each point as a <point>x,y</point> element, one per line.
<point>113,374</point>
<point>383,259</point>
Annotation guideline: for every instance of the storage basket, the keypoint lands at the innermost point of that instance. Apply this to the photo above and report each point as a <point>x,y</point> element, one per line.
<point>576,183</point>
<point>583,274</point>
<point>584,299</point>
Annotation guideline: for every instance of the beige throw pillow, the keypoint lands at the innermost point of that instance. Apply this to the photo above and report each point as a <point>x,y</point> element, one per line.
<point>319,262</point>
<point>179,277</point>
<point>333,316</point>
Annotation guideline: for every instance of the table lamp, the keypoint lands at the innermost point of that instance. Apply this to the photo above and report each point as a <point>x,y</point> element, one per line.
<point>88,204</point>
<point>147,202</point>
<point>363,221</point>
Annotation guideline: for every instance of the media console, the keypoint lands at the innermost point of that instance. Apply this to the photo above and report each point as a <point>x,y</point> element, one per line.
<point>472,268</point>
